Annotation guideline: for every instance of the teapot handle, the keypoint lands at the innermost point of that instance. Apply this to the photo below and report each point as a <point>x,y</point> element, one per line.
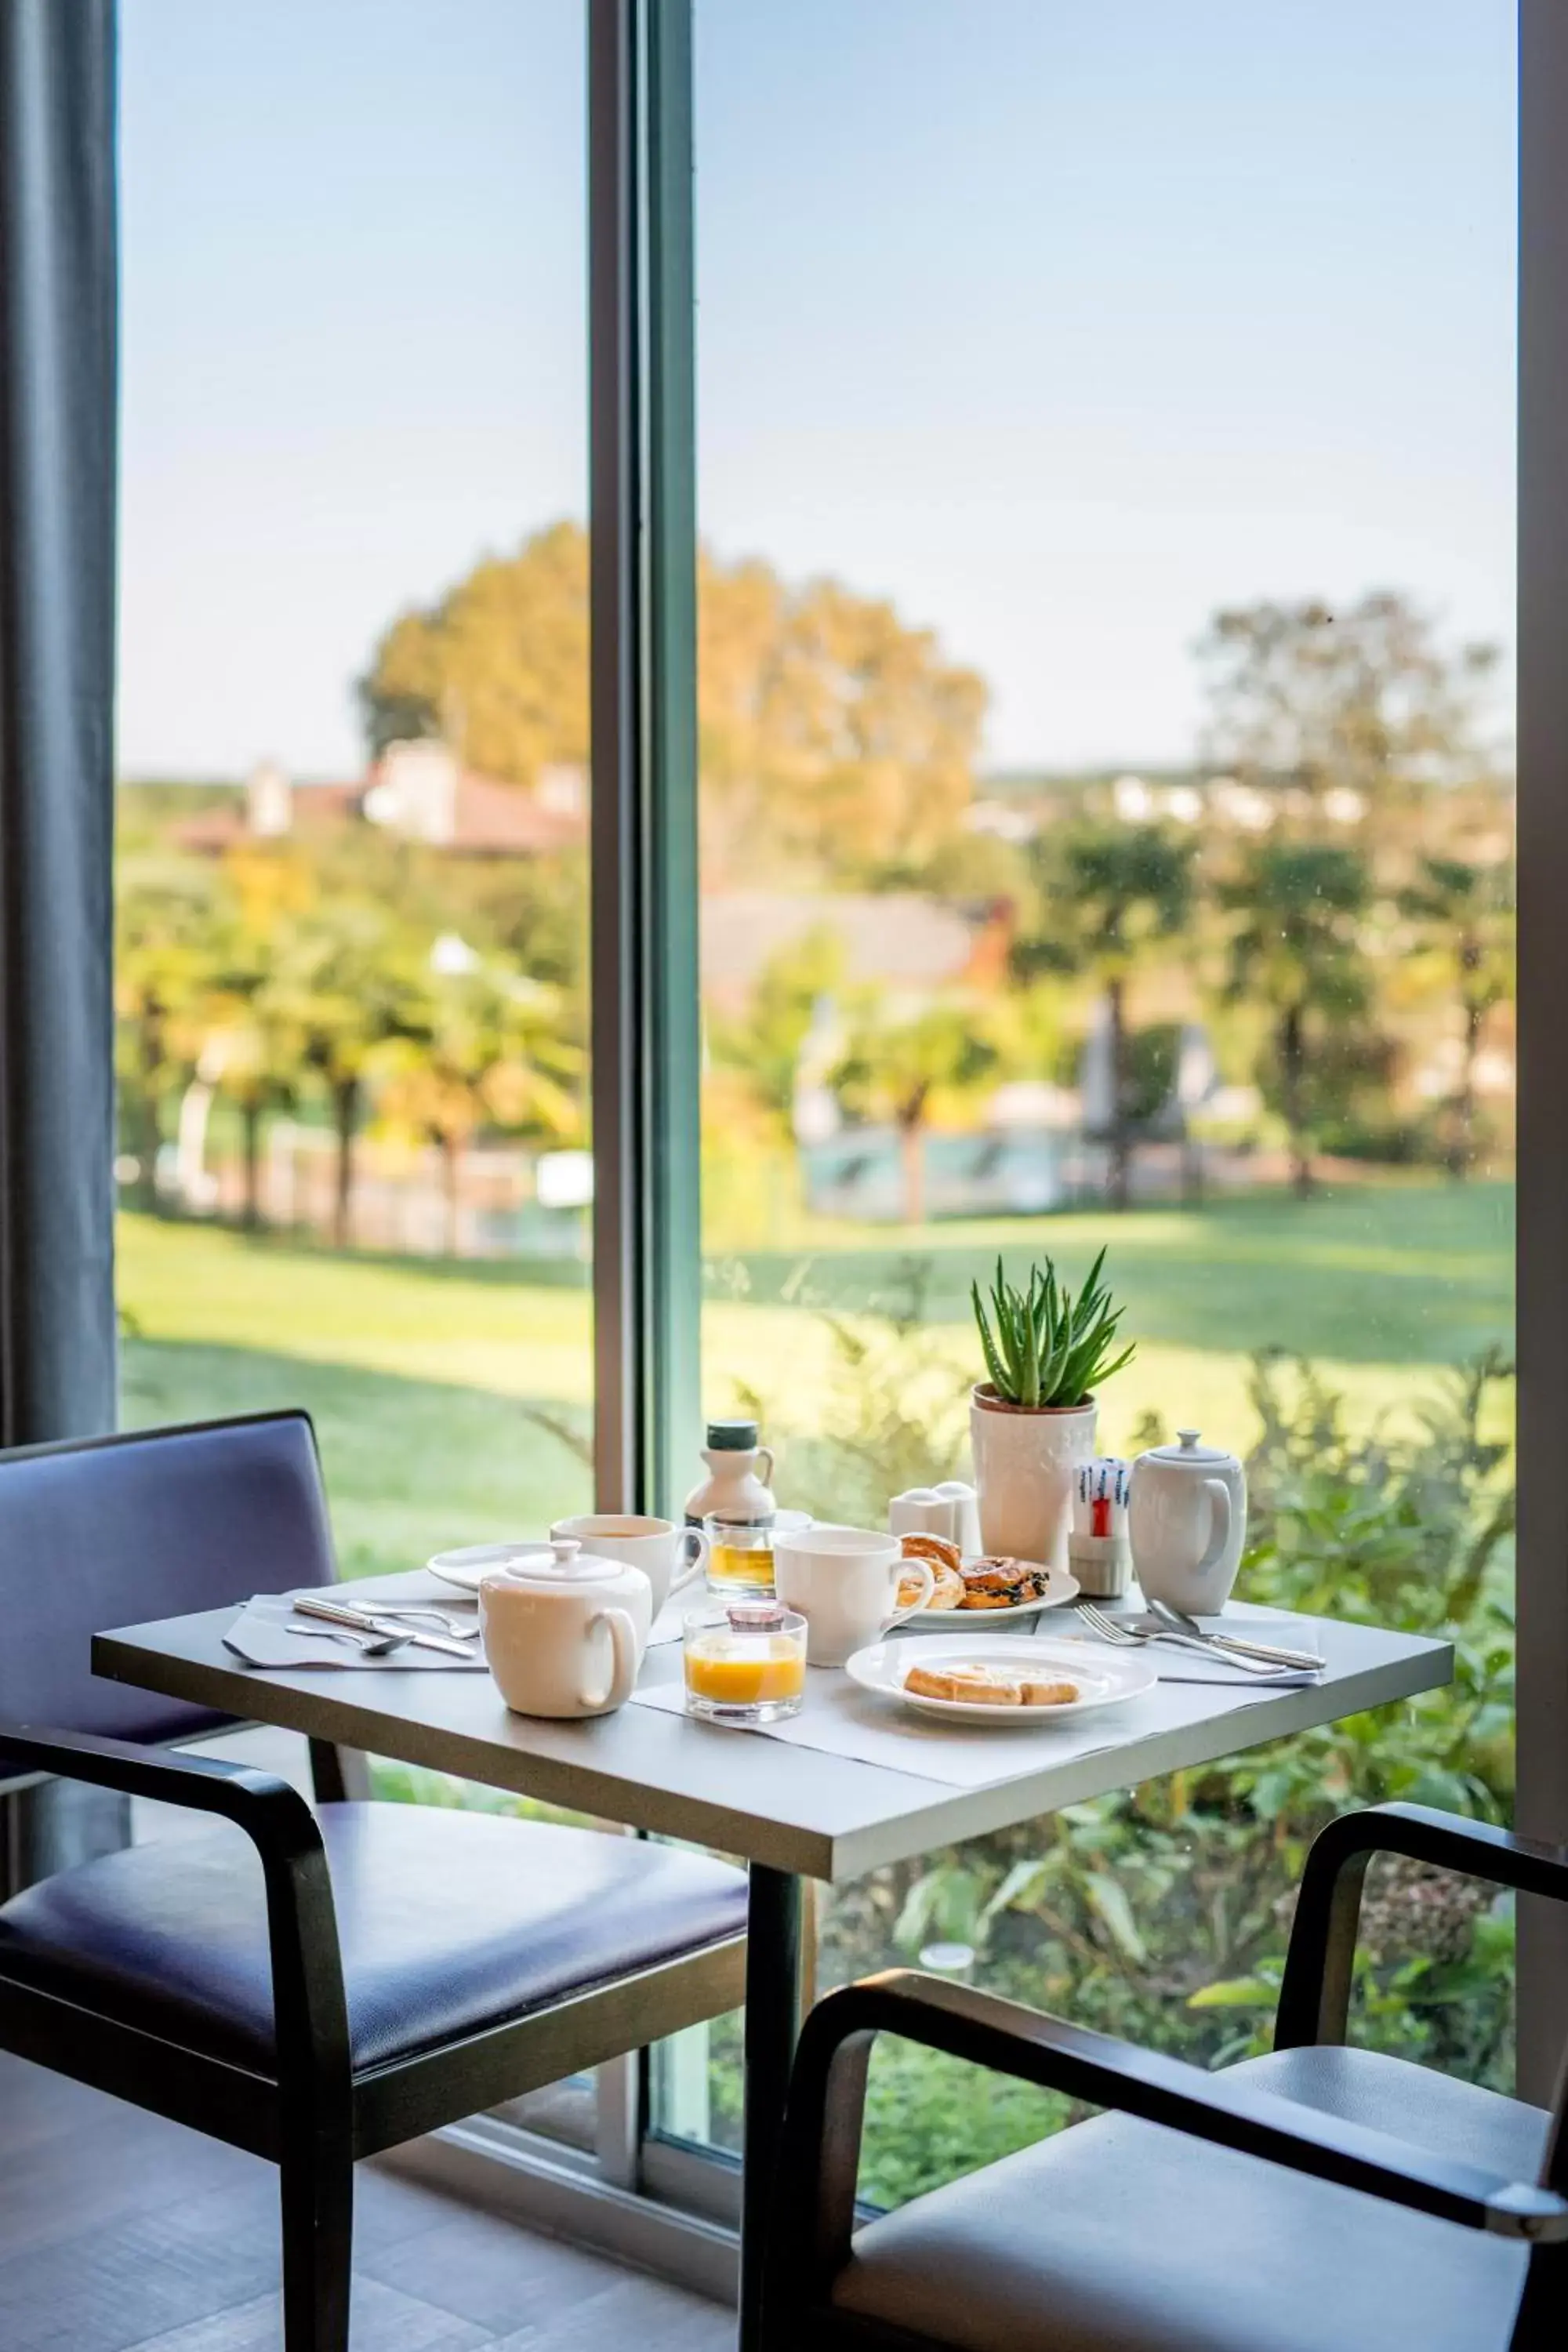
<point>623,1660</point>
<point>1219,1525</point>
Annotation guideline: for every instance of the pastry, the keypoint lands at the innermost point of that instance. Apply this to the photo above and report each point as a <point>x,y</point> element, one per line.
<point>969,1686</point>
<point>946,1593</point>
<point>1048,1694</point>
<point>996,1583</point>
<point>936,1548</point>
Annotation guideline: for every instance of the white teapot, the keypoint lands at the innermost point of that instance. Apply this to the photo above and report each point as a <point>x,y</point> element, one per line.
<point>563,1631</point>
<point>1186,1517</point>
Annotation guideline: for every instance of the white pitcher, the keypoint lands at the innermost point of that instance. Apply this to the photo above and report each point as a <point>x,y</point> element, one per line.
<point>1187,1520</point>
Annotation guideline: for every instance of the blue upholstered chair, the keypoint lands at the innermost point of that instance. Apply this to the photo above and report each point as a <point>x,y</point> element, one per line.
<point>313,1987</point>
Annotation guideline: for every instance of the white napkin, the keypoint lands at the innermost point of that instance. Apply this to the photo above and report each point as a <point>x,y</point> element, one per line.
<point>259,1636</point>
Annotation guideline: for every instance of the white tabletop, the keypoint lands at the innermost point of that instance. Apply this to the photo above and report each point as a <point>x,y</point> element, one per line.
<point>794,1807</point>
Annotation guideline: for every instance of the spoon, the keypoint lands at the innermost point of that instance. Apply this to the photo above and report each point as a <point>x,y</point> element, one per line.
<point>1180,1623</point>
<point>369,1646</point>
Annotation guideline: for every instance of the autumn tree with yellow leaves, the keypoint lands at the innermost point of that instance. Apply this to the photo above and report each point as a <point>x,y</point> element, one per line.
<point>833,734</point>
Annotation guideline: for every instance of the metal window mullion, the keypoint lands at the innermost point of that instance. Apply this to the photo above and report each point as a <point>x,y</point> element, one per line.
<point>615,703</point>
<point>643,700</point>
<point>1542,1283</point>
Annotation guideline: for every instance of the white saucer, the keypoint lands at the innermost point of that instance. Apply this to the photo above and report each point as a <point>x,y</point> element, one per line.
<point>465,1567</point>
<point>1103,1679</point>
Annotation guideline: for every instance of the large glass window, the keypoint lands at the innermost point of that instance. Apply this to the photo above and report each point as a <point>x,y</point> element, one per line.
<point>352,865</point>
<point>353,756</point>
<point>1105,486</point>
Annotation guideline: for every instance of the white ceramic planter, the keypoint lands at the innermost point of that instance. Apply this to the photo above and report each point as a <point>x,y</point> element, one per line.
<point>1024,1461</point>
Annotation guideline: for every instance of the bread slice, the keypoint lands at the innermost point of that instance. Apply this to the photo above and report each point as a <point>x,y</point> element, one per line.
<point>967,1685</point>
<point>1048,1694</point>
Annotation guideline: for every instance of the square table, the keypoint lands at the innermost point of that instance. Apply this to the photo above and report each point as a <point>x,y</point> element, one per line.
<point>788,1812</point>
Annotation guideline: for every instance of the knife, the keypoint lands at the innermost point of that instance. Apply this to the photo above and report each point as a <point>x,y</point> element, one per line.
<point>365,1620</point>
<point>1236,1644</point>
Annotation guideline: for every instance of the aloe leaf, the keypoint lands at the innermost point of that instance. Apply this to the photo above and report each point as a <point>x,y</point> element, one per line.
<point>988,1345</point>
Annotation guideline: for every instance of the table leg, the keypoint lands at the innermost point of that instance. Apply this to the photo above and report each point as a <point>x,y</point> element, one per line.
<point>775,1912</point>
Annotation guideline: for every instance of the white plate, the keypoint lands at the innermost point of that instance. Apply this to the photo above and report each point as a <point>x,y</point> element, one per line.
<point>1102,1678</point>
<point>463,1569</point>
<point>1061,1589</point>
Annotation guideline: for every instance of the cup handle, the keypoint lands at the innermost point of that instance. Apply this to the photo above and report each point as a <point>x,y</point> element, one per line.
<point>765,1456</point>
<point>928,1576</point>
<point>1219,1525</point>
<point>696,1561</point>
<point>623,1660</point>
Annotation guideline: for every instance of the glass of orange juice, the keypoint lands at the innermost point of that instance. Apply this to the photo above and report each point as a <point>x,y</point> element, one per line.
<point>745,1662</point>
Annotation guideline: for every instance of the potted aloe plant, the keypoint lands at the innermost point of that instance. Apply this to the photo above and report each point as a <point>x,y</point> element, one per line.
<point>1032,1422</point>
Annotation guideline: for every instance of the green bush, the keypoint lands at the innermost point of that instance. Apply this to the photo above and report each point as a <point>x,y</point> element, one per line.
<point>1162,1913</point>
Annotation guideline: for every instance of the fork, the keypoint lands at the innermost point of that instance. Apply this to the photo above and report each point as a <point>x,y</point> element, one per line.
<point>1122,1636</point>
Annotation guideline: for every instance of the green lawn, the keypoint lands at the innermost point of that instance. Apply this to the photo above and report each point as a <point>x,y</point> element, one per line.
<point>420,1374</point>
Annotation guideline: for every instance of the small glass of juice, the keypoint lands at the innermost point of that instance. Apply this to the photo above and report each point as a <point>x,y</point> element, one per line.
<point>745,1664</point>
<point>739,1555</point>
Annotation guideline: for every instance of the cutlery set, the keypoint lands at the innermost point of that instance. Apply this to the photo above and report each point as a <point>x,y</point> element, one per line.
<point>1264,1660</point>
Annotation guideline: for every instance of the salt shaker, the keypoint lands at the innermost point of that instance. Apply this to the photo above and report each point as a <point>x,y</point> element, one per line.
<point>1098,1551</point>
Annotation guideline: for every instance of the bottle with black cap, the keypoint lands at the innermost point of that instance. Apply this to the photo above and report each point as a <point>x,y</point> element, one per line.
<point>736,1488</point>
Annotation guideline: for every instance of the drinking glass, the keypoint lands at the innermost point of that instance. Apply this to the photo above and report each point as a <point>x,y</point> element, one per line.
<point>744,1663</point>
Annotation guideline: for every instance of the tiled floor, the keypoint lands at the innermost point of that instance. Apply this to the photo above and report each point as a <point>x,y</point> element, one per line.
<point>120,2232</point>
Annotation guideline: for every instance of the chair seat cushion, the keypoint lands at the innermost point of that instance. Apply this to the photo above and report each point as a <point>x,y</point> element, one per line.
<point>448,1922</point>
<point>1120,2236</point>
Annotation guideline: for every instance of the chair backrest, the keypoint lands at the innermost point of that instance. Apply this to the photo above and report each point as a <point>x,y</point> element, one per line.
<point>106,1531</point>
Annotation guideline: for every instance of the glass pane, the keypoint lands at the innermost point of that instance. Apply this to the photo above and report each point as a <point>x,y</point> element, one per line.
<point>353,863</point>
<point>1105,842</point>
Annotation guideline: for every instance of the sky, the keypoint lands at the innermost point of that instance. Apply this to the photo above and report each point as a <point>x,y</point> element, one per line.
<point>1060,324</point>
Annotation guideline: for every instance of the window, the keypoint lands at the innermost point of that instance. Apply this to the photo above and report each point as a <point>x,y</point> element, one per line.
<point>351,876</point>
<point>1105,487</point>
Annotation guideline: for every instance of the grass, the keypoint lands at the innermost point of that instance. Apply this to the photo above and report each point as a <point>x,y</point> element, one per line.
<point>420,1374</point>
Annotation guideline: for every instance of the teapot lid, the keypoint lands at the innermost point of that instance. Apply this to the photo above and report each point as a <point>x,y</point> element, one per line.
<point>1190,1449</point>
<point>562,1561</point>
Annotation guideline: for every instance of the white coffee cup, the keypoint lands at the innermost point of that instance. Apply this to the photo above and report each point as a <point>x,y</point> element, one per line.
<point>670,1557</point>
<point>845,1582</point>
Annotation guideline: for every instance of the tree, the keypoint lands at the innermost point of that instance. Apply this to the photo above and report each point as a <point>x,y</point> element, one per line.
<point>1464,917</point>
<point>1112,896</point>
<point>1346,716</point>
<point>1296,949</point>
<point>164,922</point>
<point>832,733</point>
<point>352,980</point>
<point>498,666</point>
<point>482,1046</point>
<point>893,1066</point>
<point>787,1001</point>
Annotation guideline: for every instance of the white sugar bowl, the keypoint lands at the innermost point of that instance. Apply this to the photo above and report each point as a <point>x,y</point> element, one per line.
<point>565,1631</point>
<point>1186,1517</point>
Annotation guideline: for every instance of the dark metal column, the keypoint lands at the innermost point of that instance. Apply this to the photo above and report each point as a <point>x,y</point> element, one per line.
<point>774,1955</point>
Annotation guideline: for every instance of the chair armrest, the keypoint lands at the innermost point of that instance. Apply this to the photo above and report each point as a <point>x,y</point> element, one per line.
<point>815,2199</point>
<point>310,2008</point>
<point>1314,1998</point>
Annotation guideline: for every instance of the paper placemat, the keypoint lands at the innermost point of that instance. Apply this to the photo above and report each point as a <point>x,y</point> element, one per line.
<point>259,1636</point>
<point>841,1719</point>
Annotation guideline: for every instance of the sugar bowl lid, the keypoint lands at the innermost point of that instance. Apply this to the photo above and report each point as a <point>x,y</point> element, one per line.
<point>1191,1451</point>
